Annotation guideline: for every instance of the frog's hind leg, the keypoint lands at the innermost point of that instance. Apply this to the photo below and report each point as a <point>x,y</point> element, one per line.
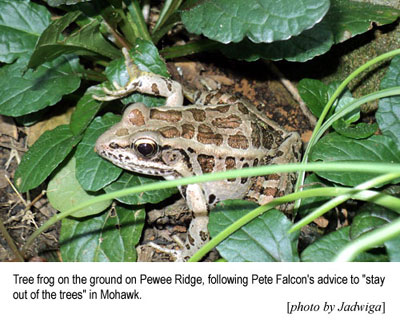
<point>144,82</point>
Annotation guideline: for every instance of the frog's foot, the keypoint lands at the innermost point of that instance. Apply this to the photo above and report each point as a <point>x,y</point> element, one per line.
<point>145,83</point>
<point>196,238</point>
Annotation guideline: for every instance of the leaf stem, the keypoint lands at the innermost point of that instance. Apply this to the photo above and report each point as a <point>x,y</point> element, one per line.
<point>136,20</point>
<point>18,255</point>
<point>189,49</point>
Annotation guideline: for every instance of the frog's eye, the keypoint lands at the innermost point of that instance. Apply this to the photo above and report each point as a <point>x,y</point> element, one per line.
<point>146,147</point>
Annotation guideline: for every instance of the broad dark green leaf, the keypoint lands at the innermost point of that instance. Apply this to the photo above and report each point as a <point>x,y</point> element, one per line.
<point>355,131</point>
<point>265,239</point>
<point>128,180</point>
<point>334,147</point>
<point>350,18</point>
<point>260,20</point>
<point>307,45</point>
<point>86,41</point>
<point>44,156</point>
<point>314,93</point>
<point>65,192</point>
<point>86,110</point>
<point>21,23</point>
<point>388,114</point>
<point>23,93</point>
<point>92,171</point>
<point>110,237</point>
<point>56,3</point>
<point>326,249</point>
<point>146,57</point>
<point>393,249</point>
<point>370,217</point>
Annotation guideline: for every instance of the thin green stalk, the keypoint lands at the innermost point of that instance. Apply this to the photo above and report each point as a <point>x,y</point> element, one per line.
<point>340,199</point>
<point>369,240</point>
<point>189,49</point>
<point>300,178</point>
<point>366,195</point>
<point>170,7</point>
<point>10,242</point>
<point>136,19</point>
<point>359,167</point>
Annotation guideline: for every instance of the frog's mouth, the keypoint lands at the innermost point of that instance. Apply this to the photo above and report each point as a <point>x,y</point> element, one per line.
<point>130,162</point>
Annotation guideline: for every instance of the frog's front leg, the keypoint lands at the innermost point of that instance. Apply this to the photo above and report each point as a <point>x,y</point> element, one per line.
<point>197,234</point>
<point>144,82</point>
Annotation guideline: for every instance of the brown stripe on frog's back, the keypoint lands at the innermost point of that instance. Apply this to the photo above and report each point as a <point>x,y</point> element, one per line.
<point>238,141</point>
<point>230,122</point>
<point>169,132</point>
<point>198,114</point>
<point>255,135</point>
<point>136,117</point>
<point>187,131</point>
<point>206,162</point>
<point>168,116</point>
<point>207,136</point>
<point>221,109</point>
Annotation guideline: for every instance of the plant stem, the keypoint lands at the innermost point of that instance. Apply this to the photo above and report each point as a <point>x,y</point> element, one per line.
<point>189,49</point>
<point>10,242</point>
<point>136,20</point>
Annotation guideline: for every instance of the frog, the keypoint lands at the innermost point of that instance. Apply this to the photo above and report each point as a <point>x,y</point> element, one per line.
<point>218,132</point>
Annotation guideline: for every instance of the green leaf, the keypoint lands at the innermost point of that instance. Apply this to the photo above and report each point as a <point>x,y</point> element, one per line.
<point>388,114</point>
<point>307,45</point>
<point>92,171</point>
<point>350,18</point>
<point>260,20</point>
<point>104,238</point>
<point>86,110</point>
<point>334,147</point>
<point>57,3</point>
<point>264,239</point>
<point>21,23</point>
<point>146,57</point>
<point>345,98</point>
<point>326,248</point>
<point>393,249</point>
<point>370,217</point>
<point>86,41</point>
<point>44,156</point>
<point>355,131</point>
<point>128,180</point>
<point>65,192</point>
<point>314,93</point>
<point>23,93</point>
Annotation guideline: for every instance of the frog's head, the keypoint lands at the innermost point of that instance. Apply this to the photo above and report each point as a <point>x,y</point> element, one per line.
<point>135,145</point>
